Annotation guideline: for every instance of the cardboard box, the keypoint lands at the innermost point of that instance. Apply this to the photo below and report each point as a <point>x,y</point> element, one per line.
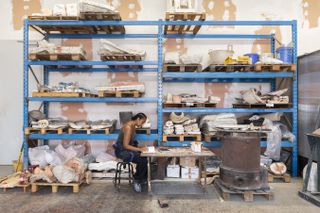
<point>188,162</point>
<point>185,172</point>
<point>189,172</point>
<point>194,172</point>
<point>173,171</point>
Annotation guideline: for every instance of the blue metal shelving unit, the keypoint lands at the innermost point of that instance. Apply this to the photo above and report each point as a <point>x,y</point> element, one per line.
<point>242,77</point>
<point>156,66</point>
<point>92,66</point>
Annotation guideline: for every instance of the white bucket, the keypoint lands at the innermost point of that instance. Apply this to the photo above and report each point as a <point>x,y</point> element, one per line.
<point>218,56</point>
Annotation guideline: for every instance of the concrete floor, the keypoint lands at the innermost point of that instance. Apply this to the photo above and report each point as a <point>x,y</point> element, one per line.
<point>101,197</point>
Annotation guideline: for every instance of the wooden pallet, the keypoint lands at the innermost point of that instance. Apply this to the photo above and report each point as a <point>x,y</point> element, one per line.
<point>31,130</point>
<point>56,56</point>
<point>248,196</point>
<point>185,105</point>
<point>120,57</point>
<point>25,187</point>
<point>65,29</point>
<point>182,29</point>
<point>182,137</point>
<point>120,94</point>
<point>91,131</point>
<point>52,18</point>
<point>143,131</point>
<point>55,186</point>
<point>262,106</point>
<point>99,16</point>
<point>285,178</point>
<point>182,68</point>
<point>62,94</point>
<point>275,67</point>
<point>229,68</point>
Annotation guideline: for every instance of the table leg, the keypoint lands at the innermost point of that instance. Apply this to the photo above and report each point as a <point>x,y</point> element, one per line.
<point>149,175</point>
<point>205,170</point>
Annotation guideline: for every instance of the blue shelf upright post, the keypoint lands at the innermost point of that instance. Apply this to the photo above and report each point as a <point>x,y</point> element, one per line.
<point>25,91</point>
<point>160,85</point>
<point>295,100</point>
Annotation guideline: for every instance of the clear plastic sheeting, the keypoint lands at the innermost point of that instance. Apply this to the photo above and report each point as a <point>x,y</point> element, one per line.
<point>43,156</point>
<point>274,139</point>
<point>312,184</point>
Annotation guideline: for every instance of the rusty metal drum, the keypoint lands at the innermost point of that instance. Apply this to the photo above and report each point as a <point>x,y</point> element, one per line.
<point>240,167</point>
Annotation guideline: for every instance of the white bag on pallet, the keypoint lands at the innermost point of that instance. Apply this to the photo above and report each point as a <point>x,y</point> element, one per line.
<point>72,10</point>
<point>59,10</point>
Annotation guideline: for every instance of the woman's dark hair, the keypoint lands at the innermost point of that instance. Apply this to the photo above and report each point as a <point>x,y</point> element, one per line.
<point>140,115</point>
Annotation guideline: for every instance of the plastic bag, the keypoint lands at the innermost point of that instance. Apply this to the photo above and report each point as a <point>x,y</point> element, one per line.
<point>274,139</point>
<point>312,184</point>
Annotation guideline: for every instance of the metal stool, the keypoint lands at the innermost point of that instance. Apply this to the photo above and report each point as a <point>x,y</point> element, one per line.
<point>122,166</point>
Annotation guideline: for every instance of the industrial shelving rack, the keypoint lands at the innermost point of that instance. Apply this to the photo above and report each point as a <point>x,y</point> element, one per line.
<point>241,77</point>
<point>94,66</point>
<point>162,77</point>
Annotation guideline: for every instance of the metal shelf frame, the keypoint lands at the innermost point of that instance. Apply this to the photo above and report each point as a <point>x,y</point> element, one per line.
<point>156,66</point>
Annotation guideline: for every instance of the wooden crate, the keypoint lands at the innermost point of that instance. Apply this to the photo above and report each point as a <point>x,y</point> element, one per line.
<point>62,94</point>
<point>182,68</point>
<point>248,196</point>
<point>275,67</point>
<point>56,56</point>
<point>262,106</point>
<point>31,130</point>
<point>182,137</point>
<point>120,94</point>
<point>285,178</point>
<point>143,131</point>
<point>100,16</point>
<point>185,105</point>
<point>229,68</point>
<point>182,29</point>
<point>120,57</point>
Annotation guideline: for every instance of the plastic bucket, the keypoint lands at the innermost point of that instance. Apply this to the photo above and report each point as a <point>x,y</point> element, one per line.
<point>285,54</point>
<point>254,57</point>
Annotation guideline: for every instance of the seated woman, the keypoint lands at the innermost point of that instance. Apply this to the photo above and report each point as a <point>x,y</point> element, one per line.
<point>127,149</point>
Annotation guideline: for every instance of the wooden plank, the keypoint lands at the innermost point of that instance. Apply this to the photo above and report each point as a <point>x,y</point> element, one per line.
<point>61,94</point>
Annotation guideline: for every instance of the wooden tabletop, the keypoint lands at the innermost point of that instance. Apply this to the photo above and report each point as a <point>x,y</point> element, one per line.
<point>178,152</point>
